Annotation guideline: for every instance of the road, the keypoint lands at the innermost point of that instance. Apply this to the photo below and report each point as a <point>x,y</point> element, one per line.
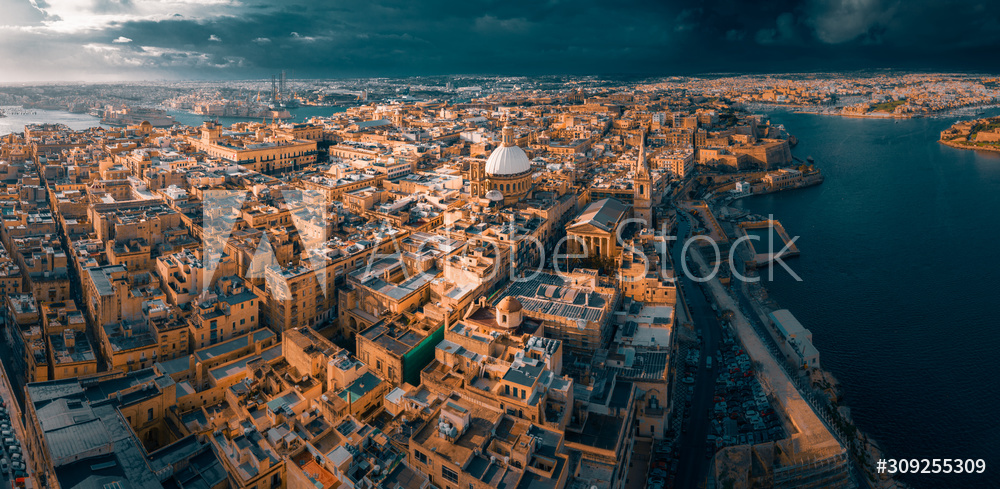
<point>693,465</point>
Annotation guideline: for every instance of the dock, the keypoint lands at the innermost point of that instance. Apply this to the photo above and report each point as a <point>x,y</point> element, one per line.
<point>765,250</point>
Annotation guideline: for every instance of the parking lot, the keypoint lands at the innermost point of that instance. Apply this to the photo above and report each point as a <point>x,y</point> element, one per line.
<point>12,466</point>
<point>736,412</point>
<point>663,461</point>
<point>743,415</point>
<point>14,461</point>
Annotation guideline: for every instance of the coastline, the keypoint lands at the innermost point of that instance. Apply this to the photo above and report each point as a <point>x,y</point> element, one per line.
<point>825,391</point>
<point>819,387</point>
<point>867,115</point>
<point>816,110</point>
<point>955,145</point>
<point>828,220</point>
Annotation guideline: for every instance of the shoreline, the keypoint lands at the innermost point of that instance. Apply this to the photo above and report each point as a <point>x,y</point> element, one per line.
<point>857,442</point>
<point>955,145</point>
<point>819,386</point>
<point>814,110</point>
<point>867,115</point>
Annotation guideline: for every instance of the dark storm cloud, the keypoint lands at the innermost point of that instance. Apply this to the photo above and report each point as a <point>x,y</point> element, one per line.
<point>531,37</point>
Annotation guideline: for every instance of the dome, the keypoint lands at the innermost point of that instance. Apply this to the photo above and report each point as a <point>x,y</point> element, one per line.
<point>508,159</point>
<point>509,304</point>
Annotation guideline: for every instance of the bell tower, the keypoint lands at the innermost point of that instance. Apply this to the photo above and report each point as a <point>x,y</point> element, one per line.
<point>642,186</point>
<point>477,176</point>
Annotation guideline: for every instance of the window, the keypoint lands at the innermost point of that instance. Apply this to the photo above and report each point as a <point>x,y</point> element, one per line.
<point>149,414</point>
<point>449,475</point>
<point>417,454</point>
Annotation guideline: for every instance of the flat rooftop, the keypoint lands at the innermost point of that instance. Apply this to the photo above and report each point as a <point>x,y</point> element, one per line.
<point>600,431</point>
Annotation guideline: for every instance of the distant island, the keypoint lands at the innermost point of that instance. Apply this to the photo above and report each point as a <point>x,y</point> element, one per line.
<point>983,134</point>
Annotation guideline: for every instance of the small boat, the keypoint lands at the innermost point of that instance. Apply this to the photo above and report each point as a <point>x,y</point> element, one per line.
<point>809,159</point>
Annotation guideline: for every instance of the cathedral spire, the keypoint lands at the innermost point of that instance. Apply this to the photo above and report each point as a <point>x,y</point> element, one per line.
<point>640,164</point>
<point>642,204</point>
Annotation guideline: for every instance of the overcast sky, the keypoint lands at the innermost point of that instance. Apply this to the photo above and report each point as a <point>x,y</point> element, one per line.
<point>184,39</point>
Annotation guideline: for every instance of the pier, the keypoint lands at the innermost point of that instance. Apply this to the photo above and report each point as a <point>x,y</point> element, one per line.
<point>765,231</point>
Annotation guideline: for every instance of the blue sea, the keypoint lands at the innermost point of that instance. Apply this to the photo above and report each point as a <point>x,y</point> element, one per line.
<point>899,283</point>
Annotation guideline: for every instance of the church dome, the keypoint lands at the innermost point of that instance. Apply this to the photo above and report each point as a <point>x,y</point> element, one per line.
<point>508,159</point>
<point>509,304</point>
